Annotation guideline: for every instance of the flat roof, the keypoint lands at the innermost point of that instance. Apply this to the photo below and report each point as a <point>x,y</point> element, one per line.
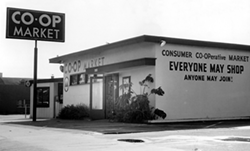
<point>48,80</point>
<point>153,39</point>
<point>12,81</point>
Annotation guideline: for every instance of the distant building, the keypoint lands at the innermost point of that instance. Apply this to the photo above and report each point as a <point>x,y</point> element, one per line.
<point>14,95</point>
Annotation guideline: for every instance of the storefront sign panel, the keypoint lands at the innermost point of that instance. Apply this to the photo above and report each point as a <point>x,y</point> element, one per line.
<point>76,66</point>
<point>203,82</point>
<point>35,25</point>
<point>205,66</point>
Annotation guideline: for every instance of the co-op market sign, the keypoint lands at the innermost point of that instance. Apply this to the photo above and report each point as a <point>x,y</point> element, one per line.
<point>35,25</point>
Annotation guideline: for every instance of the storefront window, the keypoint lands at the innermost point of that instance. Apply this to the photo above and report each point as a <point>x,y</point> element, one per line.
<point>43,97</point>
<point>60,93</point>
<point>97,90</point>
<point>83,78</point>
<point>78,79</point>
<point>126,81</point>
<point>73,80</point>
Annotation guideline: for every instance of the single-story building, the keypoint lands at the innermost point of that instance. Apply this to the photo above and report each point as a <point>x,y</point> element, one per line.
<point>202,80</point>
<point>49,97</point>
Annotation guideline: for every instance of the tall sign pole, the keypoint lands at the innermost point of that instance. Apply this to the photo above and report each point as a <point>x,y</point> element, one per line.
<point>35,83</point>
<point>35,25</point>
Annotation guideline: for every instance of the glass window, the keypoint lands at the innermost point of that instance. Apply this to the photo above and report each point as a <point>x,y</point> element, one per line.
<point>43,97</point>
<point>83,78</point>
<point>126,82</point>
<point>78,79</point>
<point>97,92</point>
<point>60,92</point>
<point>73,79</point>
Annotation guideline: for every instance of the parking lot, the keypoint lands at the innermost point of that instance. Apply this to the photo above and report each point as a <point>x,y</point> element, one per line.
<point>18,133</point>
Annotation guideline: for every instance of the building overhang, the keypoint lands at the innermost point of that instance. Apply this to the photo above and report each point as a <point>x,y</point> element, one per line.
<point>151,39</point>
<point>122,65</point>
<point>54,80</point>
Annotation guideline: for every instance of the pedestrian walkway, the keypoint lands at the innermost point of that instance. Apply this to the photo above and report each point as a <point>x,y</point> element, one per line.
<point>18,133</point>
<point>107,127</point>
<point>14,118</point>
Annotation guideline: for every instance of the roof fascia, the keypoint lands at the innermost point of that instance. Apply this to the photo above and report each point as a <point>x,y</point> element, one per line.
<point>154,39</point>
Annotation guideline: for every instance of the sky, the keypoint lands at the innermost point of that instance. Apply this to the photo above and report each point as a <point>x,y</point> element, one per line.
<point>91,23</point>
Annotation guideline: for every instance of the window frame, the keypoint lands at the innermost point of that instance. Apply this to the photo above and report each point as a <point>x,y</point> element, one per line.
<point>76,78</point>
<point>123,82</point>
<point>43,104</point>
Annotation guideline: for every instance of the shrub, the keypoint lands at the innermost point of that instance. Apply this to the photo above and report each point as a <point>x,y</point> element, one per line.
<point>79,111</point>
<point>138,111</point>
<point>135,108</point>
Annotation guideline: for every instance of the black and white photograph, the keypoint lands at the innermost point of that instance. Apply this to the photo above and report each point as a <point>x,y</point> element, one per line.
<point>124,75</point>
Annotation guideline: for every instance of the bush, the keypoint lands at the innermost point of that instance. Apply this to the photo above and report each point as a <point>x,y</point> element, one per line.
<point>138,111</point>
<point>79,111</point>
<point>135,108</point>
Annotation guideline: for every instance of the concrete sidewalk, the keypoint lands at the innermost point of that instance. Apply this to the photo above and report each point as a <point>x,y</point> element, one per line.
<point>20,134</point>
<point>19,137</point>
<point>107,127</point>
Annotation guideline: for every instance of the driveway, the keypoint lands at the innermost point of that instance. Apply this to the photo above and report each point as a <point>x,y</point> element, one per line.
<point>107,127</point>
<point>23,134</point>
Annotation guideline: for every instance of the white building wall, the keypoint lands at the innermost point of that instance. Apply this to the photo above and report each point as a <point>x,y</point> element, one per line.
<point>80,93</point>
<point>187,99</point>
<point>77,94</point>
<point>130,52</point>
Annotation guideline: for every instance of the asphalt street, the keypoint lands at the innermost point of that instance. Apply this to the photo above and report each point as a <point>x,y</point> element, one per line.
<point>15,136</point>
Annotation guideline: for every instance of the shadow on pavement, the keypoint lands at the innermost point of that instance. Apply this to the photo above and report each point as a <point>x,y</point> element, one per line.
<point>107,127</point>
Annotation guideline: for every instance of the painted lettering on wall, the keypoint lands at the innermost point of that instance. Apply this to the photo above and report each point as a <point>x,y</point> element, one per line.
<point>94,63</point>
<point>81,66</point>
<point>201,71</point>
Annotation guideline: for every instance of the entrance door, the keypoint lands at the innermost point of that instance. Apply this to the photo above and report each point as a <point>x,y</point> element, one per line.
<point>111,93</point>
<point>96,98</point>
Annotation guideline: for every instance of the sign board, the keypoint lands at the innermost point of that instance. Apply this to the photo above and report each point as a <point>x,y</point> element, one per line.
<point>35,25</point>
<point>203,83</point>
